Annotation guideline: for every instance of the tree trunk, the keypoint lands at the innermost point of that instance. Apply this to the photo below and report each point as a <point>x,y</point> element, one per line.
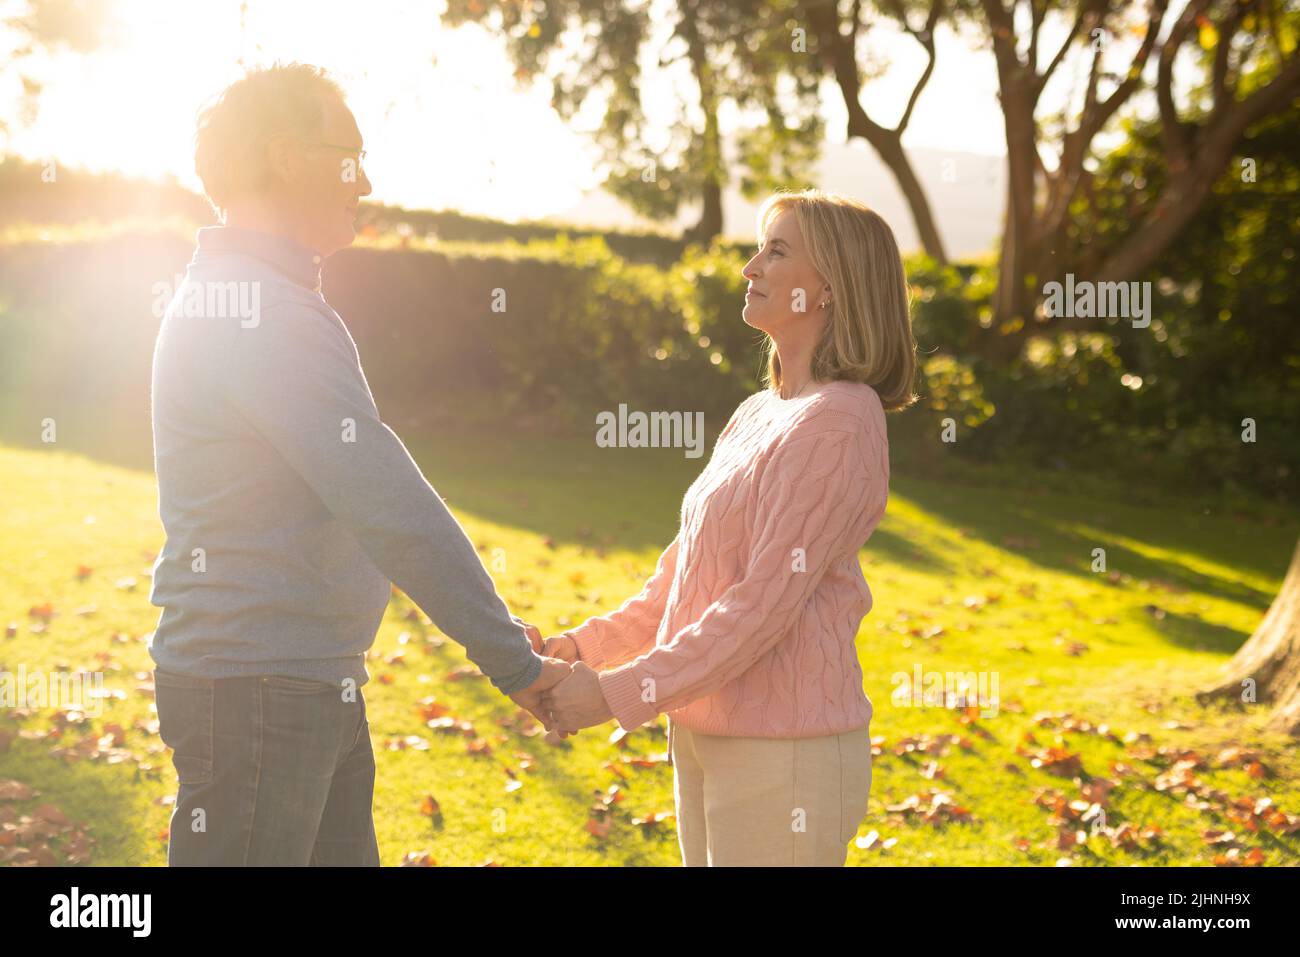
<point>1269,662</point>
<point>839,52</point>
<point>890,151</point>
<point>710,223</point>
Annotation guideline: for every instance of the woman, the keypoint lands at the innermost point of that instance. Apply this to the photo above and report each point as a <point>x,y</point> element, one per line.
<point>745,633</point>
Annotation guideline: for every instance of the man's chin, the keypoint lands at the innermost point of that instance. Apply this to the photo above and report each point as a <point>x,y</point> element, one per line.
<point>339,241</point>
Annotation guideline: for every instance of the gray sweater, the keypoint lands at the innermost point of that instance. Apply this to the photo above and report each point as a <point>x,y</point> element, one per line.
<point>289,506</point>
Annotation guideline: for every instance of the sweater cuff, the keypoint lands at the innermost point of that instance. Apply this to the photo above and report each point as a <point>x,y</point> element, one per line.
<point>587,642</point>
<point>622,690</point>
<point>520,680</point>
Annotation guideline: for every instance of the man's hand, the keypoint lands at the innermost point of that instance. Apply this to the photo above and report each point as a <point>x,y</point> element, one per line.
<point>532,698</point>
<point>576,702</point>
<point>534,637</point>
<point>566,649</point>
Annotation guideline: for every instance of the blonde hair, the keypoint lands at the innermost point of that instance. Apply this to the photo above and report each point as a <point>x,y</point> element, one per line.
<point>233,131</point>
<point>868,335</point>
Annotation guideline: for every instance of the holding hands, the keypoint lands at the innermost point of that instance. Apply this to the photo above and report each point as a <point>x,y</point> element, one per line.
<point>577,702</point>
<point>560,646</point>
<point>533,698</point>
<point>566,697</point>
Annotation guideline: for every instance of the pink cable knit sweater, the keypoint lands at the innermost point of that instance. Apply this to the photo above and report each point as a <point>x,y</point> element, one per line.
<point>747,626</point>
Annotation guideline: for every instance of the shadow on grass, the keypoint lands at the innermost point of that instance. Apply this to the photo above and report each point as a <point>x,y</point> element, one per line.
<point>1193,634</point>
<point>893,547</point>
<point>1033,525</point>
<point>564,487</point>
<point>82,434</point>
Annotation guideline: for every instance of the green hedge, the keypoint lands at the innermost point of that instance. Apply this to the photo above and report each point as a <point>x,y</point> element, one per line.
<point>584,329</point>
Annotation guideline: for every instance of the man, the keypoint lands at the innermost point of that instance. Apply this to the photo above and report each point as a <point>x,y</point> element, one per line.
<point>289,506</point>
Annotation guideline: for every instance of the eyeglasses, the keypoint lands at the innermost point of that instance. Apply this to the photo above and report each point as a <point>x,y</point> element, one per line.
<point>361,154</point>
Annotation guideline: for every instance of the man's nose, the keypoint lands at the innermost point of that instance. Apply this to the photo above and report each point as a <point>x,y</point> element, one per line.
<point>365,184</point>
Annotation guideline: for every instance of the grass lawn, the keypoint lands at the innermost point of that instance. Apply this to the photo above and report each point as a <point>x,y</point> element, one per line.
<point>973,570</point>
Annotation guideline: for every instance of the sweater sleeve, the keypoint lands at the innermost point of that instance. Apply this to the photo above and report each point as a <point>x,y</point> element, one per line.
<point>632,627</point>
<point>297,379</point>
<point>816,495</point>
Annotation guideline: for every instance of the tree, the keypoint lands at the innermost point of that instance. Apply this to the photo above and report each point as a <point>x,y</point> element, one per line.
<point>1222,348</point>
<point>1268,664</point>
<point>1237,42</point>
<point>730,49</point>
<point>838,34</point>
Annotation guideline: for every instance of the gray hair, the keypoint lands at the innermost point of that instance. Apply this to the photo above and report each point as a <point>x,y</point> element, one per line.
<point>230,142</point>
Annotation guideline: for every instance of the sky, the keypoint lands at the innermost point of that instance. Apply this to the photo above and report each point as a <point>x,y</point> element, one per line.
<point>444,123</point>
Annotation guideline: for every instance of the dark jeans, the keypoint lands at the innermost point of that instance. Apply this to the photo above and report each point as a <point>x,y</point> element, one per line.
<point>273,771</point>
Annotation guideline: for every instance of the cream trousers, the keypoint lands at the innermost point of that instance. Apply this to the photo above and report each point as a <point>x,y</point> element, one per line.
<point>753,802</point>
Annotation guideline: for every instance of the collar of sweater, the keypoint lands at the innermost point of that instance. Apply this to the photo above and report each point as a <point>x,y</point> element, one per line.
<point>286,256</point>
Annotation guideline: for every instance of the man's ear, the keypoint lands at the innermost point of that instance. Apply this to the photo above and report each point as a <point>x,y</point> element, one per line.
<point>282,157</point>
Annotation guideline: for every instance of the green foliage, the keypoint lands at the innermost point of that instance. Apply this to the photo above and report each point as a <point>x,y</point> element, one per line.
<point>1161,404</point>
<point>450,226</point>
<point>1223,345</point>
<point>28,194</point>
<point>618,331</point>
<point>735,52</point>
<point>544,333</point>
<point>709,293</point>
<point>945,303</point>
<point>954,392</point>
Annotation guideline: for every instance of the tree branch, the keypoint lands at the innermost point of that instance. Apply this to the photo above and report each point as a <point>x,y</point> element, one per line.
<point>1037,11</point>
<point>1003,36</point>
<point>1228,124</point>
<point>1171,127</point>
<point>1092,123</point>
<point>1095,116</point>
<point>1223,91</point>
<point>926,39</point>
<point>1186,192</point>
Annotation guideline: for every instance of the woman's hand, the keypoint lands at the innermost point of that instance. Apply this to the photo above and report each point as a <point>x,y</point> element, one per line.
<point>565,649</point>
<point>560,646</point>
